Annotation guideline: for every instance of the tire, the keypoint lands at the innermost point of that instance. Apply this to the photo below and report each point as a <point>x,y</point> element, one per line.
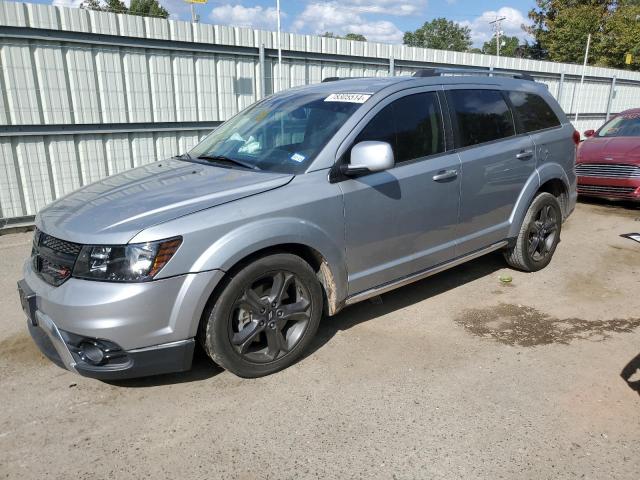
<point>265,317</point>
<point>539,235</point>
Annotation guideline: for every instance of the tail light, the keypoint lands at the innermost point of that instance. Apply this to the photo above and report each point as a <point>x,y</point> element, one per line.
<point>576,137</point>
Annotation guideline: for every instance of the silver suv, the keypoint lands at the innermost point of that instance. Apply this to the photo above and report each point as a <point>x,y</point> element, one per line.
<point>306,202</point>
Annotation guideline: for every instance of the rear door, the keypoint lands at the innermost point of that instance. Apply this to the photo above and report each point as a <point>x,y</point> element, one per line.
<point>552,141</point>
<point>402,220</point>
<point>496,163</point>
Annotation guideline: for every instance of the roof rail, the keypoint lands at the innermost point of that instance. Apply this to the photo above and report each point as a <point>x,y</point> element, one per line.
<point>331,79</point>
<point>437,72</point>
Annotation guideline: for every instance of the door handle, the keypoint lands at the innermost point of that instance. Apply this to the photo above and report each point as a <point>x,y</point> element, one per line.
<point>445,175</point>
<point>523,155</point>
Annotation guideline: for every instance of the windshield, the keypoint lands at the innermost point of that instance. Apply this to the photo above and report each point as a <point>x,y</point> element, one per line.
<point>627,125</point>
<point>283,133</point>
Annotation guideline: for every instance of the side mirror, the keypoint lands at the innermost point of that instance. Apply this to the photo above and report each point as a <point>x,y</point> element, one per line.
<point>589,133</point>
<point>369,156</point>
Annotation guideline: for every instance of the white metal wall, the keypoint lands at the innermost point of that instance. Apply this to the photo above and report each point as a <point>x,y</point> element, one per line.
<point>49,86</point>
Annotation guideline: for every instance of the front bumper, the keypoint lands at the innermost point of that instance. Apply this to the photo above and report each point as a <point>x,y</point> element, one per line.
<point>143,362</point>
<point>143,329</point>
<point>617,188</point>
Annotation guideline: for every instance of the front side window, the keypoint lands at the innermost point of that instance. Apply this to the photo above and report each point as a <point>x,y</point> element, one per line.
<point>626,125</point>
<point>412,125</point>
<point>481,115</point>
<point>283,133</point>
<point>533,112</point>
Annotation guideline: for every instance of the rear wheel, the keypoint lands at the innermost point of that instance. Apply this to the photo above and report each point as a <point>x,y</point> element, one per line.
<point>539,235</point>
<point>265,316</point>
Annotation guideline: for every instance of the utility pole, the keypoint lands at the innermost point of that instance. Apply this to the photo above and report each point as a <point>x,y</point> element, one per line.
<point>497,29</point>
<point>195,18</point>
<point>584,66</point>
<point>279,47</point>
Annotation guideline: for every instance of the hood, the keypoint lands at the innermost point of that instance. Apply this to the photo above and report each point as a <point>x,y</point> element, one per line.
<point>114,210</point>
<point>610,150</point>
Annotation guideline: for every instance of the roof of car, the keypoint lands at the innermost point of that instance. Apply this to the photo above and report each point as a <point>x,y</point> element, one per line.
<point>375,84</point>
<point>631,110</point>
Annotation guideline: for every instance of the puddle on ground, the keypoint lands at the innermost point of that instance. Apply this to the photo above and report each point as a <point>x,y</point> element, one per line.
<point>527,327</point>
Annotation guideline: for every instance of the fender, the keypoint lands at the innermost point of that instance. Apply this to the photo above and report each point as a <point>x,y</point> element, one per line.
<point>247,239</point>
<point>541,175</point>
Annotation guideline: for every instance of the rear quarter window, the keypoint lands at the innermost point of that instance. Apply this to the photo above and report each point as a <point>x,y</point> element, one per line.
<point>533,112</point>
<point>481,116</point>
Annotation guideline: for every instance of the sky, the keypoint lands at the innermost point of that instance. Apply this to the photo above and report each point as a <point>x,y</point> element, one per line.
<point>378,20</point>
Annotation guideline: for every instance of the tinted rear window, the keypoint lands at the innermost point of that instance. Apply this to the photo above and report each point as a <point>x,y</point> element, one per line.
<point>412,125</point>
<point>482,116</point>
<point>532,111</point>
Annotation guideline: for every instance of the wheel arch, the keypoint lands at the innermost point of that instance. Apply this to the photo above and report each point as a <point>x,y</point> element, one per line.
<point>550,178</point>
<point>280,235</point>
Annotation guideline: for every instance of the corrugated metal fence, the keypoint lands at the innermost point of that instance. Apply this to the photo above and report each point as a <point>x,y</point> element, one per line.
<point>87,94</point>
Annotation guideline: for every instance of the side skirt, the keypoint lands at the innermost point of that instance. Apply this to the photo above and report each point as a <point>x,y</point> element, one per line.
<point>401,282</point>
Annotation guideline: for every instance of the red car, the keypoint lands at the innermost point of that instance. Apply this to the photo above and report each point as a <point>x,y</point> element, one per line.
<point>608,163</point>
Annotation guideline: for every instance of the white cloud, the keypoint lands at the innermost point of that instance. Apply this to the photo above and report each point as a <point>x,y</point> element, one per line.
<point>341,19</point>
<point>481,30</point>
<point>66,3</point>
<point>257,17</point>
<point>386,7</point>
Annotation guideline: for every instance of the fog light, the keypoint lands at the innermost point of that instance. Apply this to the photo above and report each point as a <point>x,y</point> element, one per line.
<point>91,353</point>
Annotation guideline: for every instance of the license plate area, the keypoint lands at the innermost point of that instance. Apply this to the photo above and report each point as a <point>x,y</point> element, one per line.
<point>28,302</point>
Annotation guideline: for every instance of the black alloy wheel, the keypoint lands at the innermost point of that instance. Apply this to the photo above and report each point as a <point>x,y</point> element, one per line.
<point>264,317</point>
<point>539,235</point>
<point>270,317</point>
<point>542,233</point>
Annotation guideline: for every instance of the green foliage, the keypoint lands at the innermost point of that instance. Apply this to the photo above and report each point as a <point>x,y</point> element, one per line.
<point>116,6</point>
<point>561,27</point>
<point>148,8</point>
<point>348,36</point>
<point>509,46</point>
<point>442,34</point>
<point>145,8</point>
<point>621,36</point>
<point>355,36</point>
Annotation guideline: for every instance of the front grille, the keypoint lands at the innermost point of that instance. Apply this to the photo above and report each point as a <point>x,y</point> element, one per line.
<point>607,170</point>
<point>58,245</point>
<point>605,190</point>
<point>53,258</point>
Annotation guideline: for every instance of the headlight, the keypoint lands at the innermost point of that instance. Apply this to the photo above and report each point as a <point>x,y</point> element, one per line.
<point>138,262</point>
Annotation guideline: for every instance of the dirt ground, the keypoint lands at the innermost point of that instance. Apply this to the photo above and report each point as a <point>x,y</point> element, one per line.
<point>457,376</point>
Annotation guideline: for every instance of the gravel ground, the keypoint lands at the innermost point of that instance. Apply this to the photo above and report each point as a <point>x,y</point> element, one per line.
<point>457,376</point>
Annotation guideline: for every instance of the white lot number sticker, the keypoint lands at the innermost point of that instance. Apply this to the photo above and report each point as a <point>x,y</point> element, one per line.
<point>348,97</point>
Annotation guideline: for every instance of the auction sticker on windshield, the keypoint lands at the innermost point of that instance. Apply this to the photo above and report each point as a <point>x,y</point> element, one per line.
<point>348,97</point>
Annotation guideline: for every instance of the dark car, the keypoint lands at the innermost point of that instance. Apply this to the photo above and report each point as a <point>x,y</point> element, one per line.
<point>608,163</point>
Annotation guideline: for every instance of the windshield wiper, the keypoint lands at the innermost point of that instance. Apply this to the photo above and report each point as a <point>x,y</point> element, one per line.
<point>223,159</point>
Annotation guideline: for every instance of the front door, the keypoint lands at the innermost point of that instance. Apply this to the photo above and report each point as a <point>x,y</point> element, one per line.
<point>402,220</point>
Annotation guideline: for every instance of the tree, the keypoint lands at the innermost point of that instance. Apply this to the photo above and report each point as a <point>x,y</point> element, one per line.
<point>622,36</point>
<point>116,6</point>
<point>348,36</point>
<point>355,36</point>
<point>440,33</point>
<point>561,27</point>
<point>508,46</point>
<point>145,8</point>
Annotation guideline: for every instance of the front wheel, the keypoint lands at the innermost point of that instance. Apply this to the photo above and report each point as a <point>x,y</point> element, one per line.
<point>265,317</point>
<point>539,235</point>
